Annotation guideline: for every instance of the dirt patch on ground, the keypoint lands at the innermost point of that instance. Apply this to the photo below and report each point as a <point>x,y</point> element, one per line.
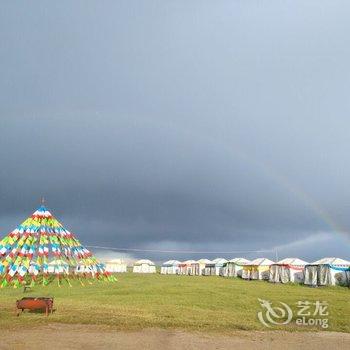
<point>62,336</point>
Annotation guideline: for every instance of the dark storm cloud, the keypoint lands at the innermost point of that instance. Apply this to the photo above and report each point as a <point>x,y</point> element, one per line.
<point>189,125</point>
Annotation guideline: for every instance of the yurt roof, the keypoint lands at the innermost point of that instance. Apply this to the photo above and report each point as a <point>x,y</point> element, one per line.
<point>171,262</point>
<point>144,261</point>
<point>239,261</point>
<point>219,261</point>
<point>292,261</point>
<point>332,261</point>
<point>115,261</point>
<point>262,261</point>
<point>204,261</point>
<point>188,262</point>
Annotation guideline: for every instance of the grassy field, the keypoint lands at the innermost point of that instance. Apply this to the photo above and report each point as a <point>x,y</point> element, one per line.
<point>181,302</point>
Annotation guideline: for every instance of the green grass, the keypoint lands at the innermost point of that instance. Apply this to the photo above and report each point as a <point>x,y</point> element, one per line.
<point>183,302</point>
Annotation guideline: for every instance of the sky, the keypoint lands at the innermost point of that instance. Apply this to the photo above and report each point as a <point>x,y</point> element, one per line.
<point>217,128</point>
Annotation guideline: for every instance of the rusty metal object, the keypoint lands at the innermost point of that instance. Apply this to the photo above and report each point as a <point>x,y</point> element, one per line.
<point>35,303</point>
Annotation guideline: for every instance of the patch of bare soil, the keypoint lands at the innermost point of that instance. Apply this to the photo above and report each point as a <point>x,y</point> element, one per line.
<point>62,336</point>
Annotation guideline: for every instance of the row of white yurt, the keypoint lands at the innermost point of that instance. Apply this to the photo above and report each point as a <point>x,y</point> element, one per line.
<point>323,272</point>
<point>326,271</point>
<point>139,266</point>
<point>59,266</point>
<point>192,267</point>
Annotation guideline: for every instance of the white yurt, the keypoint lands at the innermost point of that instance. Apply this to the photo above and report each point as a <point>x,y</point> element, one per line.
<point>215,267</point>
<point>328,272</point>
<point>57,266</point>
<point>185,267</point>
<point>258,269</point>
<point>116,266</point>
<point>170,267</point>
<point>288,270</point>
<point>234,267</point>
<point>144,266</point>
<point>199,266</point>
<point>83,268</point>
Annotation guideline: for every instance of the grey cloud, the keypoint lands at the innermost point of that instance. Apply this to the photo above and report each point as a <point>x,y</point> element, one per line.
<point>177,123</point>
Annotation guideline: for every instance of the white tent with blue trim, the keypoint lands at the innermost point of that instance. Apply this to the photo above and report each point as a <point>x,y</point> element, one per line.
<point>214,267</point>
<point>328,272</point>
<point>170,267</point>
